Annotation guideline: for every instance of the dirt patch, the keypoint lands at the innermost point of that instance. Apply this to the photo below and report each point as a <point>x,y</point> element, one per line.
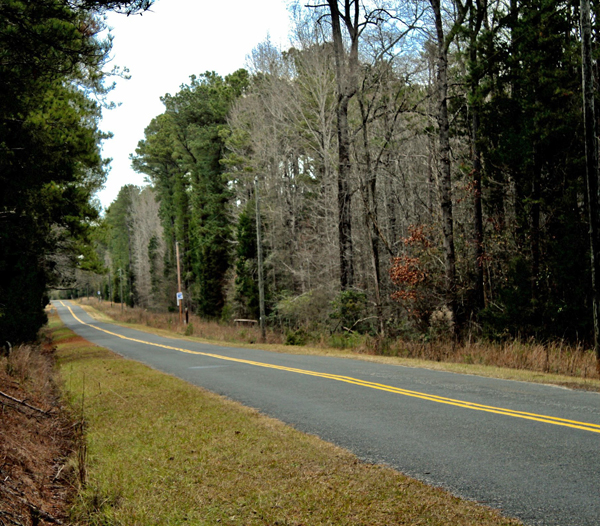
<point>38,438</point>
<point>70,339</point>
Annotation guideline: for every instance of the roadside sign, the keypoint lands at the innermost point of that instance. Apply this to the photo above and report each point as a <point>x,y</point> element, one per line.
<point>180,295</point>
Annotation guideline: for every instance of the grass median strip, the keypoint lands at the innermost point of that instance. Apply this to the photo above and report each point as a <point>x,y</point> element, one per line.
<point>161,451</point>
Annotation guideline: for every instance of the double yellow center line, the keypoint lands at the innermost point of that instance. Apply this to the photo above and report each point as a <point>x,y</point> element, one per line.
<point>594,428</point>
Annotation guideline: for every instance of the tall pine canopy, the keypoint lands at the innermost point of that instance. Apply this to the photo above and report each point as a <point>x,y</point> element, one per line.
<point>51,78</point>
<point>182,156</point>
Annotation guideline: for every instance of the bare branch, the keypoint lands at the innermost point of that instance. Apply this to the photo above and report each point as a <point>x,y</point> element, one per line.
<point>22,402</point>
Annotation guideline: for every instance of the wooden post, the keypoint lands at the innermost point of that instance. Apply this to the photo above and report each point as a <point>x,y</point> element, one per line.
<point>121,286</point>
<point>261,283</point>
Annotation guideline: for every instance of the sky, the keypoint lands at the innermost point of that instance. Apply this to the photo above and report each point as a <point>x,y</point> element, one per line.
<point>161,49</point>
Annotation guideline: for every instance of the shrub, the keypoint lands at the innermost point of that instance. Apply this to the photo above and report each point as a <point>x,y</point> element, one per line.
<point>306,310</point>
<point>189,330</point>
<point>350,308</point>
<point>297,337</point>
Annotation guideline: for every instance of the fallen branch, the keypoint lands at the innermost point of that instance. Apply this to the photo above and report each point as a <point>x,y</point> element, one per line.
<point>357,322</point>
<point>32,507</point>
<point>22,402</point>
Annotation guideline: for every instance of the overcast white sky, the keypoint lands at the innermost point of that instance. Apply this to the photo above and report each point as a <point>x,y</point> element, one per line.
<point>162,48</point>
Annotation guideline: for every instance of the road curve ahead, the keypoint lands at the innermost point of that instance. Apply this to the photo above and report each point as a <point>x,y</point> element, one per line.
<point>530,450</point>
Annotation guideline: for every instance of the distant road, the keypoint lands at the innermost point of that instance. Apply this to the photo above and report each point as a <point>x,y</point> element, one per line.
<point>530,450</point>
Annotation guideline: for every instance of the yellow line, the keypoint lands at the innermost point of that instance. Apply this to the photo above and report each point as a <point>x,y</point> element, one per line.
<point>586,426</point>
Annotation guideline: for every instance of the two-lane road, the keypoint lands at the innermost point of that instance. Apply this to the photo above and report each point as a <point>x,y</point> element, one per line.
<point>531,450</point>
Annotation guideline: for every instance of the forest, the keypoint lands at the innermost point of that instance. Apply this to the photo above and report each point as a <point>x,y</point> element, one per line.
<point>53,87</point>
<point>423,170</point>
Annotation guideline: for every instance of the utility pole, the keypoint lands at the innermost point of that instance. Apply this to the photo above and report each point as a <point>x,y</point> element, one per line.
<point>179,294</point>
<point>261,282</point>
<point>121,285</point>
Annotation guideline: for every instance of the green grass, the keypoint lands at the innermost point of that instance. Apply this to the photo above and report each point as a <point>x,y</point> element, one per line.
<point>163,452</point>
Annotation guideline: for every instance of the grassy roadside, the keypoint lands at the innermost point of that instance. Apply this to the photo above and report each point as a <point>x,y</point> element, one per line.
<point>163,452</point>
<point>218,335</point>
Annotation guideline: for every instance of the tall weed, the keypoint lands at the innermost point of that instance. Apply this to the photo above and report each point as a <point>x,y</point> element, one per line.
<point>553,357</point>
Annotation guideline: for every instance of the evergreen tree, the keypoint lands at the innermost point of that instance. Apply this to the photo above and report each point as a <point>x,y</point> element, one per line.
<point>51,60</point>
<point>182,153</point>
<point>246,270</point>
<point>119,222</point>
<point>156,158</point>
<point>533,149</point>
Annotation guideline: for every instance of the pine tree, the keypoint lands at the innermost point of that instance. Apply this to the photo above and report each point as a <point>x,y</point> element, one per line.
<point>51,79</point>
<point>246,275</point>
<point>533,150</point>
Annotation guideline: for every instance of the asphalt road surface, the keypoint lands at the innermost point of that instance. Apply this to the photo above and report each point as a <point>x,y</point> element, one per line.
<point>530,450</point>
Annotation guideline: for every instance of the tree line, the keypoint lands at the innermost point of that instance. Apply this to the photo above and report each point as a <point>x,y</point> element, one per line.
<point>422,172</point>
<point>53,84</point>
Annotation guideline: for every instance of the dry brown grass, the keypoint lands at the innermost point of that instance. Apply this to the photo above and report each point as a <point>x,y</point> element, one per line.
<point>30,367</point>
<point>36,440</point>
<point>201,328</point>
<point>557,358</point>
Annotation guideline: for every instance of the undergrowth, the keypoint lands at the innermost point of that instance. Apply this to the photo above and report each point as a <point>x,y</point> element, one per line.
<point>554,357</point>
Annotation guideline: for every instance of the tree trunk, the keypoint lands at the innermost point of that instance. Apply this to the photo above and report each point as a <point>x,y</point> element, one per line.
<point>345,65</point>
<point>344,198</point>
<point>478,13</point>
<point>591,172</point>
<point>444,158</point>
<point>369,191</point>
<point>130,301</point>
<point>478,219</point>
<point>535,228</point>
